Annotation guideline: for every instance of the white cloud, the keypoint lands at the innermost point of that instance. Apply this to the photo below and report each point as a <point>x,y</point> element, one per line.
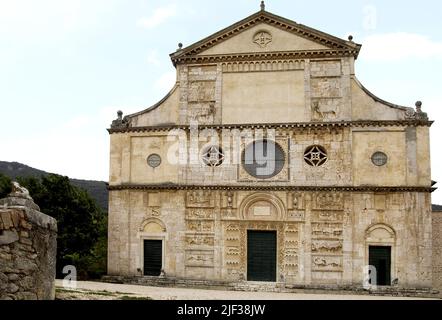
<point>159,16</point>
<point>152,58</point>
<point>166,81</point>
<point>399,46</point>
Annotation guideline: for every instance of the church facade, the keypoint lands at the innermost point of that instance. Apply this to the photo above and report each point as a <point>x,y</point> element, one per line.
<point>269,161</point>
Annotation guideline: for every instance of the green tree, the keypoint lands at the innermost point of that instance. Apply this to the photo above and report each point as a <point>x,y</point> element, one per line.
<point>5,186</point>
<point>82,223</point>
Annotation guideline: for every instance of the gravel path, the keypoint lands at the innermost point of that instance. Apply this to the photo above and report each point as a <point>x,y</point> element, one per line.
<point>162,293</point>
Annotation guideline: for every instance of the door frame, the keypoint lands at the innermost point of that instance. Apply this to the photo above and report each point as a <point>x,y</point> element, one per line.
<point>147,236</point>
<point>393,273</point>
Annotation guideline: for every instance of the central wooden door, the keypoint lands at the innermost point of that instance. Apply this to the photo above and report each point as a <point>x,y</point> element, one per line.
<point>261,255</point>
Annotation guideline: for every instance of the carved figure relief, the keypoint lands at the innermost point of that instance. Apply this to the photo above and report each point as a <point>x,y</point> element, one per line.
<point>200,199</point>
<point>327,263</point>
<point>200,226</point>
<point>200,240</point>
<point>329,201</point>
<point>326,246</point>
<point>199,258</point>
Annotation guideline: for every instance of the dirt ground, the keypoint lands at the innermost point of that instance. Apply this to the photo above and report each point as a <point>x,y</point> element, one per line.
<point>109,291</point>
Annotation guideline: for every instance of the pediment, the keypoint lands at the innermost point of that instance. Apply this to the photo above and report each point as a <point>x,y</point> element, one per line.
<point>263,38</point>
<point>265,32</point>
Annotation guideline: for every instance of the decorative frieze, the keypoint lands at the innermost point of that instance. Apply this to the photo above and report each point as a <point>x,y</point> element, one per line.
<point>262,66</point>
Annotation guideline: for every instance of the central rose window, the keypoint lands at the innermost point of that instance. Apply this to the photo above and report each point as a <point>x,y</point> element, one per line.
<point>263,159</point>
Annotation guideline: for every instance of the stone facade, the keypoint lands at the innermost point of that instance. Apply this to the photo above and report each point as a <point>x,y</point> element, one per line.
<point>437,250</point>
<point>267,76</point>
<point>28,243</point>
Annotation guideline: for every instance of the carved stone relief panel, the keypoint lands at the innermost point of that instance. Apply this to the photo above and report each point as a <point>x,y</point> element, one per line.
<point>198,239</point>
<point>328,201</point>
<point>200,199</point>
<point>153,212</point>
<point>332,216</point>
<point>199,258</point>
<point>200,226</point>
<point>232,249</point>
<point>229,200</point>
<point>201,112</point>
<point>327,230</point>
<point>201,91</point>
<point>326,263</point>
<point>229,205</point>
<point>325,68</point>
<point>325,109</point>
<point>200,214</point>
<point>326,87</point>
<point>296,206</point>
<point>291,250</point>
<point>327,246</point>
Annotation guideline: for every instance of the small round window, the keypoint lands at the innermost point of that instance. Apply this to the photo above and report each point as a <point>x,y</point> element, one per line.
<point>379,159</point>
<point>213,156</point>
<point>315,156</point>
<point>154,160</point>
<point>263,159</point>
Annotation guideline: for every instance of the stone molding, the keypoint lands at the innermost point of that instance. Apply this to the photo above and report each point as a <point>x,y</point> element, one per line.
<point>298,125</point>
<point>272,187</point>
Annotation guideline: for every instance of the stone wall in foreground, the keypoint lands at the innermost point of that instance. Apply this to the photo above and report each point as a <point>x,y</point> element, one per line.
<point>28,243</point>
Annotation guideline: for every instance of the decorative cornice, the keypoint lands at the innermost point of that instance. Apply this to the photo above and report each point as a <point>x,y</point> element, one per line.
<point>267,187</point>
<point>298,126</point>
<point>282,55</point>
<point>336,44</point>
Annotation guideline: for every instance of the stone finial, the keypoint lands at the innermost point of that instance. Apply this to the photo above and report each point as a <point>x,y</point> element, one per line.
<point>120,122</point>
<point>180,46</point>
<point>263,6</point>
<point>418,106</point>
<point>350,38</point>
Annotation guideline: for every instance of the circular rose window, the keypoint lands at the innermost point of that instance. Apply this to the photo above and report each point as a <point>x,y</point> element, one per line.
<point>379,159</point>
<point>154,160</point>
<point>263,159</point>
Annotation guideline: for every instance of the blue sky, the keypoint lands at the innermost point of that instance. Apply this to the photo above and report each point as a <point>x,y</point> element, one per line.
<point>67,66</point>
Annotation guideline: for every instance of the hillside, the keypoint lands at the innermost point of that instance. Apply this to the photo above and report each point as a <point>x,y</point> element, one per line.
<point>96,189</point>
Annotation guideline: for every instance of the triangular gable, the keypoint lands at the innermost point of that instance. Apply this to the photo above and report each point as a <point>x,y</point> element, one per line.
<point>300,38</point>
